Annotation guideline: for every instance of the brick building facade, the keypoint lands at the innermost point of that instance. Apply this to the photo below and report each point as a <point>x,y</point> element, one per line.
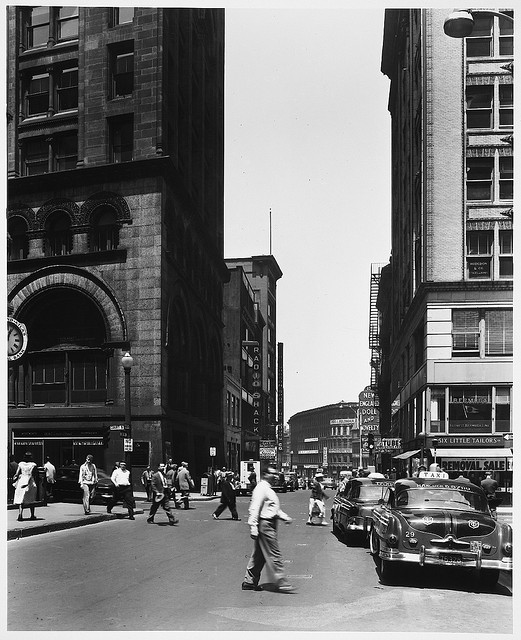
<point>446,296</point>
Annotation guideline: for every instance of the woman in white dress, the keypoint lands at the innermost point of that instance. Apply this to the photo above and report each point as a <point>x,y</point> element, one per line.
<point>26,487</point>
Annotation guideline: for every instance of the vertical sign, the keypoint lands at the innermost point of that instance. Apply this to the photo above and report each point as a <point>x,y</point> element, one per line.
<point>280,399</point>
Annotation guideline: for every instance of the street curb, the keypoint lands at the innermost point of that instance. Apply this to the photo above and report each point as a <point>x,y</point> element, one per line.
<point>17,534</point>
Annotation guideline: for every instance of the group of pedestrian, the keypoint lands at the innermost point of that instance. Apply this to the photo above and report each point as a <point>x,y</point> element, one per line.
<point>177,478</point>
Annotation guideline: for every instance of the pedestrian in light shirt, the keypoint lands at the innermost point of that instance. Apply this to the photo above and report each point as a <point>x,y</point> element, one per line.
<point>265,512</point>
<point>88,479</point>
<point>121,479</point>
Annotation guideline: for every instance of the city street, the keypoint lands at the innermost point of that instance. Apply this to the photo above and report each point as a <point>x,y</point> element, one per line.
<point>124,576</point>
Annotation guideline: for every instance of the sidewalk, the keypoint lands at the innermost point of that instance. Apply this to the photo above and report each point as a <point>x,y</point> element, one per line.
<point>56,516</point>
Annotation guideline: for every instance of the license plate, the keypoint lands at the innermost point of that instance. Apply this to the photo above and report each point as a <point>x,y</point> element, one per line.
<point>450,558</point>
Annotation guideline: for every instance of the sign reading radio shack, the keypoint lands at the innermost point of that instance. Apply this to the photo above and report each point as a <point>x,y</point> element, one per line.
<point>255,384</point>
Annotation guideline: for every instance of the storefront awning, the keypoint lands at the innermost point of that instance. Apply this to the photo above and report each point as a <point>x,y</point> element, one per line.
<point>407,454</point>
<point>493,452</point>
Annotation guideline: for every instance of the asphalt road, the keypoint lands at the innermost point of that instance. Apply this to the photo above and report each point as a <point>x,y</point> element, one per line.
<point>131,576</point>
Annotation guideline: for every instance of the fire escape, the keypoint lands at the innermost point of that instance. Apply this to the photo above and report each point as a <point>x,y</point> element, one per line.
<point>374,329</point>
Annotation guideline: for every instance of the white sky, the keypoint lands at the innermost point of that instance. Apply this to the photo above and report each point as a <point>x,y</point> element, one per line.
<point>308,135</point>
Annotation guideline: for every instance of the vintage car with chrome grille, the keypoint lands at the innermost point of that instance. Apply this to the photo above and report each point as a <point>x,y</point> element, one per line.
<point>438,521</point>
<point>351,512</point>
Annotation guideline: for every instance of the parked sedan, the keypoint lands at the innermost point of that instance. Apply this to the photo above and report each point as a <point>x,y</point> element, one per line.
<point>67,489</point>
<point>428,521</point>
<point>351,512</point>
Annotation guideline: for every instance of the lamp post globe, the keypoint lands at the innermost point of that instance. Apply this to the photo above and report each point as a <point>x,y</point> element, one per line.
<point>127,361</point>
<point>459,24</point>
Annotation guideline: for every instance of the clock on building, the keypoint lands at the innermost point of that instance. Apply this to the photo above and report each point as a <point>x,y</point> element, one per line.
<point>16,339</point>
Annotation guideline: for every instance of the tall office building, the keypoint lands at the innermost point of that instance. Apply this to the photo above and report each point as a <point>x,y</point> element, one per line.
<point>243,347</point>
<point>115,216</point>
<point>262,273</point>
<point>446,298</point>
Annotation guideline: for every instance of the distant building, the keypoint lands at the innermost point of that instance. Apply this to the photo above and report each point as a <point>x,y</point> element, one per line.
<point>115,213</point>
<point>446,298</point>
<point>263,272</point>
<point>322,438</point>
<point>242,347</point>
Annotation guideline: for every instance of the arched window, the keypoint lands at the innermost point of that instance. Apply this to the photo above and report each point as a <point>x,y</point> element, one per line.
<point>67,362</point>
<point>18,242</point>
<point>104,234</point>
<point>58,236</point>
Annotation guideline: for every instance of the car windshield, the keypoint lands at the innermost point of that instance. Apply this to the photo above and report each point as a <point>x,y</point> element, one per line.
<point>429,497</point>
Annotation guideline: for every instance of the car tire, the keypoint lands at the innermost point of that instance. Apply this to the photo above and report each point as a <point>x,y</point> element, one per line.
<point>374,544</point>
<point>488,578</point>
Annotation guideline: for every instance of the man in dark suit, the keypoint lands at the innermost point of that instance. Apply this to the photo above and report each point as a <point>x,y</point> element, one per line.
<point>160,496</point>
<point>228,497</point>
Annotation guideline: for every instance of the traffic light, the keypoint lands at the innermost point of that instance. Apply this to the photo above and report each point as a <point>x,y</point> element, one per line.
<point>370,442</point>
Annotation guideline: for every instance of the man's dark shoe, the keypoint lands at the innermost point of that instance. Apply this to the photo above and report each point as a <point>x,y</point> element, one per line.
<point>150,520</point>
<point>109,510</point>
<point>173,521</point>
<point>246,586</point>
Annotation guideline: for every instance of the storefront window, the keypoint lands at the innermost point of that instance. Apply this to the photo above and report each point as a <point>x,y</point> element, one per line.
<point>503,409</point>
<point>437,410</point>
<point>470,409</point>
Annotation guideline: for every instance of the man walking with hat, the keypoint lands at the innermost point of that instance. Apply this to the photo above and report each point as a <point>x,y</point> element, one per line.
<point>317,497</point>
<point>160,496</point>
<point>228,498</point>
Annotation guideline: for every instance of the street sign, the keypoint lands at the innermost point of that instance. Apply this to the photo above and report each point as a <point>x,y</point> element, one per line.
<point>127,444</point>
<point>117,427</point>
<point>213,452</point>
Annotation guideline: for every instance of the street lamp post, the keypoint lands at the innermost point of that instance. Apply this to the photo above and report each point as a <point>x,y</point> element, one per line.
<point>127,361</point>
<point>460,23</point>
<point>434,445</point>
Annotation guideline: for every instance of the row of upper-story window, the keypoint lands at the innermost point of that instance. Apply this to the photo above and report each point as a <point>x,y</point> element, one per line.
<point>490,178</point>
<point>46,92</point>
<point>59,152</point>
<point>58,236</point>
<point>492,37</point>
<point>490,254</point>
<point>47,25</point>
<point>490,106</point>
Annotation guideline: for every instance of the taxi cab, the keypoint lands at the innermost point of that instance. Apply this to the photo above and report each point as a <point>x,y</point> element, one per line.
<point>439,521</point>
<point>351,512</point>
